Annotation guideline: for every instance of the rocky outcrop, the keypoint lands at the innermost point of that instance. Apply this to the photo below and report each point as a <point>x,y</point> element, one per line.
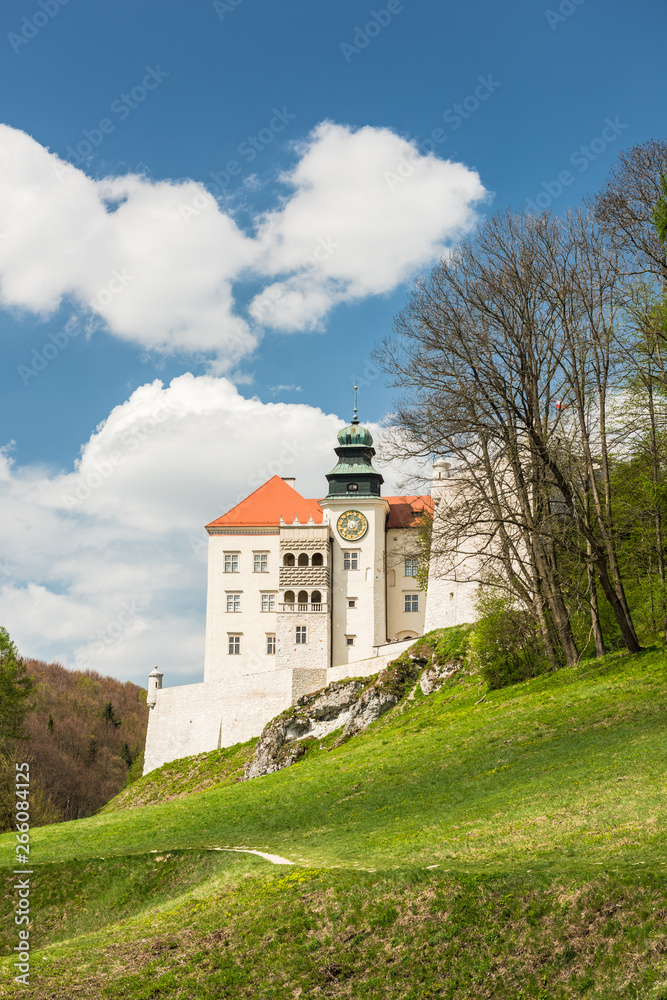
<point>314,716</point>
<point>351,704</point>
<point>434,676</point>
<point>273,752</point>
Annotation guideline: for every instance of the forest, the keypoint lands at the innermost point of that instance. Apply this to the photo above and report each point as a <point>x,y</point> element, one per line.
<point>82,734</point>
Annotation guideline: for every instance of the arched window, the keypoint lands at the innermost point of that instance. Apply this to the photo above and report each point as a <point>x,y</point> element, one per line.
<point>303,559</point>
<point>316,597</point>
<point>288,559</point>
<point>318,559</point>
<point>289,595</point>
<point>302,601</point>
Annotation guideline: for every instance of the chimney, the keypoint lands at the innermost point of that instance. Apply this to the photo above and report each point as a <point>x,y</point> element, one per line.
<point>290,481</point>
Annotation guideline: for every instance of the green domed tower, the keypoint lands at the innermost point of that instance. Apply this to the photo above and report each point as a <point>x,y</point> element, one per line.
<point>354,474</point>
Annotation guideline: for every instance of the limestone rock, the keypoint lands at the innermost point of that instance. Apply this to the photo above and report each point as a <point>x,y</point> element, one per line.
<point>332,700</point>
<point>434,676</point>
<point>372,704</point>
<point>352,704</point>
<point>316,716</point>
<point>272,754</point>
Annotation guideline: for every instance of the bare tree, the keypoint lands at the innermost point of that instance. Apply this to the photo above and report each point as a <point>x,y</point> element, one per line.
<point>628,206</point>
<point>505,355</point>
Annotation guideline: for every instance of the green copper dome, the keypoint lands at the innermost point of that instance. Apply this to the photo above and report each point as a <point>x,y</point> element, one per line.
<point>354,433</point>
<point>354,474</point>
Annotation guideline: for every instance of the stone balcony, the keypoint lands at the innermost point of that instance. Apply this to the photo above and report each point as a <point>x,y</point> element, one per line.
<point>285,606</point>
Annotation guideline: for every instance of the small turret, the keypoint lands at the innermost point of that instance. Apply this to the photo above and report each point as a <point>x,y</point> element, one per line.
<point>441,469</point>
<point>154,685</point>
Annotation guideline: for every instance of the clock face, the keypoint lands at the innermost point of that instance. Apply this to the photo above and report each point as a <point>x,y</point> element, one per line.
<point>352,525</point>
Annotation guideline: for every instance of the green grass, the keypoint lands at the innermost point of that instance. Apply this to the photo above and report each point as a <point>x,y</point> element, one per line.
<point>185,777</point>
<point>509,847</point>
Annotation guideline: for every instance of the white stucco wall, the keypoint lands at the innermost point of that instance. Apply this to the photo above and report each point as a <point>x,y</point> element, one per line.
<point>195,718</point>
<point>370,665</point>
<point>315,651</point>
<point>251,622</point>
<point>366,621</point>
<point>402,543</point>
<point>453,576</point>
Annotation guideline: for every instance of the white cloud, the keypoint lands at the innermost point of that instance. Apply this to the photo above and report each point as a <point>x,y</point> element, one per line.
<point>158,261</point>
<point>105,565</point>
<point>367,212</point>
<point>155,261</point>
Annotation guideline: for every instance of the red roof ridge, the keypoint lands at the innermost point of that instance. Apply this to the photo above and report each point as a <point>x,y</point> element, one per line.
<point>265,506</point>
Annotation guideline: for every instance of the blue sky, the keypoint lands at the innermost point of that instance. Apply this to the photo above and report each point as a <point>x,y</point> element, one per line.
<point>513,94</point>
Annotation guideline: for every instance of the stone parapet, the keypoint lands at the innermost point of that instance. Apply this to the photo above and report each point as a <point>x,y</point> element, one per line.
<point>303,577</point>
<point>304,537</point>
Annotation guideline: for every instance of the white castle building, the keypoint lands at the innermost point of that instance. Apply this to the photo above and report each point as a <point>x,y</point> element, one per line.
<point>301,593</point>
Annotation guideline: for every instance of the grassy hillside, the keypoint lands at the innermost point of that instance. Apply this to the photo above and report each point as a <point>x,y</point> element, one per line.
<point>509,847</point>
<point>184,777</point>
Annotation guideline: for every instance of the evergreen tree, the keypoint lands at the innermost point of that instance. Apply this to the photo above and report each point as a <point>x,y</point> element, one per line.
<point>15,690</point>
<point>126,754</point>
<point>109,715</point>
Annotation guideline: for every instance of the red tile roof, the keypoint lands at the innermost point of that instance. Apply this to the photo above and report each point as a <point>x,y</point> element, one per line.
<point>265,506</point>
<point>276,498</point>
<point>404,512</point>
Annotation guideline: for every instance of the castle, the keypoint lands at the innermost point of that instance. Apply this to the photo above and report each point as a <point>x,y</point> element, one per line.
<point>301,593</point>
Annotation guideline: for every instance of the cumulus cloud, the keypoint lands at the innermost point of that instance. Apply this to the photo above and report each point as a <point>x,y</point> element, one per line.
<point>130,251</point>
<point>160,263</point>
<point>367,212</point>
<point>104,565</point>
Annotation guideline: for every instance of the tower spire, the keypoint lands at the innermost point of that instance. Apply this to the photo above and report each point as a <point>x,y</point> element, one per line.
<point>354,472</point>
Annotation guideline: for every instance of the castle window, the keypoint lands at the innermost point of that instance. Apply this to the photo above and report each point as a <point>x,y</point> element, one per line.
<point>233,602</point>
<point>318,559</point>
<point>349,640</point>
<point>268,602</point>
<point>270,644</point>
<point>301,635</point>
<point>261,562</point>
<point>303,559</point>
<point>302,600</point>
<point>411,566</point>
<point>288,559</point>
<point>289,597</point>
<point>350,560</point>
<point>412,602</point>
<point>351,602</point>
<point>234,645</point>
<point>352,487</point>
<point>231,562</point>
